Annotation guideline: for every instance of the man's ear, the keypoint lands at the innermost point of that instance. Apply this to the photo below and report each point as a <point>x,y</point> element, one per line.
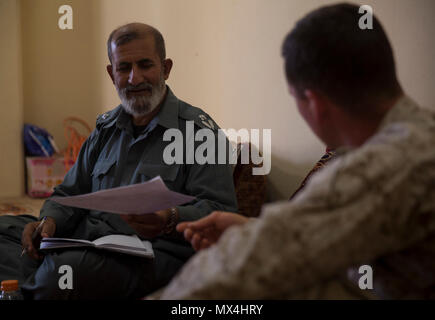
<point>109,69</point>
<point>167,66</point>
<point>317,105</point>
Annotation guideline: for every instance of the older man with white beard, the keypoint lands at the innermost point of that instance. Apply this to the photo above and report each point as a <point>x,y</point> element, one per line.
<point>127,148</point>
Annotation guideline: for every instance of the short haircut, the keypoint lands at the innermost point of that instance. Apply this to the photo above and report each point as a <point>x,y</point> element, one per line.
<point>327,51</point>
<point>131,35</point>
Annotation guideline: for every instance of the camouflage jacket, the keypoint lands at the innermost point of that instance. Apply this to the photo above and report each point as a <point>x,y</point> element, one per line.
<point>369,204</point>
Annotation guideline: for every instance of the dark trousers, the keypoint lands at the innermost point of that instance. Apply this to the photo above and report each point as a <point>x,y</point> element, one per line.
<point>96,274</point>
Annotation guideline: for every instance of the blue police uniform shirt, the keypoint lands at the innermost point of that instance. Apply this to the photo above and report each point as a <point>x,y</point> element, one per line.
<point>112,156</point>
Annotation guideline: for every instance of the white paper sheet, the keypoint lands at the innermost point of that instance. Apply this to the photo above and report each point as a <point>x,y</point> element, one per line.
<point>141,198</point>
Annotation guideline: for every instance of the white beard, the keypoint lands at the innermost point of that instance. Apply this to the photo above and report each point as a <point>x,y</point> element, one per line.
<point>138,106</point>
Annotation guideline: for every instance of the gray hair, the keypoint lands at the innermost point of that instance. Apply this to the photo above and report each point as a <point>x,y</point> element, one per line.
<point>131,35</point>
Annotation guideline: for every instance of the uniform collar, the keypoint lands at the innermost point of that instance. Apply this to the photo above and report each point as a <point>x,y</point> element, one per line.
<point>404,105</point>
<point>167,116</point>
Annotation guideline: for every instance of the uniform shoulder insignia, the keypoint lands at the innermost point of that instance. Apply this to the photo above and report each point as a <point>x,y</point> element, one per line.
<point>107,117</point>
<point>103,116</point>
<point>201,118</point>
<point>207,121</point>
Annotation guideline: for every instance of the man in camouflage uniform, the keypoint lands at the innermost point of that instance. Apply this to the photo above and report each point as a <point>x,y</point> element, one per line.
<point>372,204</point>
<point>127,147</point>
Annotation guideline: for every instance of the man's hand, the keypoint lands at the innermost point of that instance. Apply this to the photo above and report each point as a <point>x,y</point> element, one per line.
<point>30,245</point>
<point>207,231</point>
<point>148,225</point>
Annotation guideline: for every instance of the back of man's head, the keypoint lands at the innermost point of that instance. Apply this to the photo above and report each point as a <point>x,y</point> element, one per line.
<point>328,52</point>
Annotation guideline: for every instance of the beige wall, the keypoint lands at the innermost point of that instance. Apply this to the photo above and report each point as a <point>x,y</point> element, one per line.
<point>11,105</point>
<point>60,75</point>
<point>226,60</point>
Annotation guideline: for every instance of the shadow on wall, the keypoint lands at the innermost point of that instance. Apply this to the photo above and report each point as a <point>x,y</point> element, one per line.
<point>285,177</point>
<point>60,69</point>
